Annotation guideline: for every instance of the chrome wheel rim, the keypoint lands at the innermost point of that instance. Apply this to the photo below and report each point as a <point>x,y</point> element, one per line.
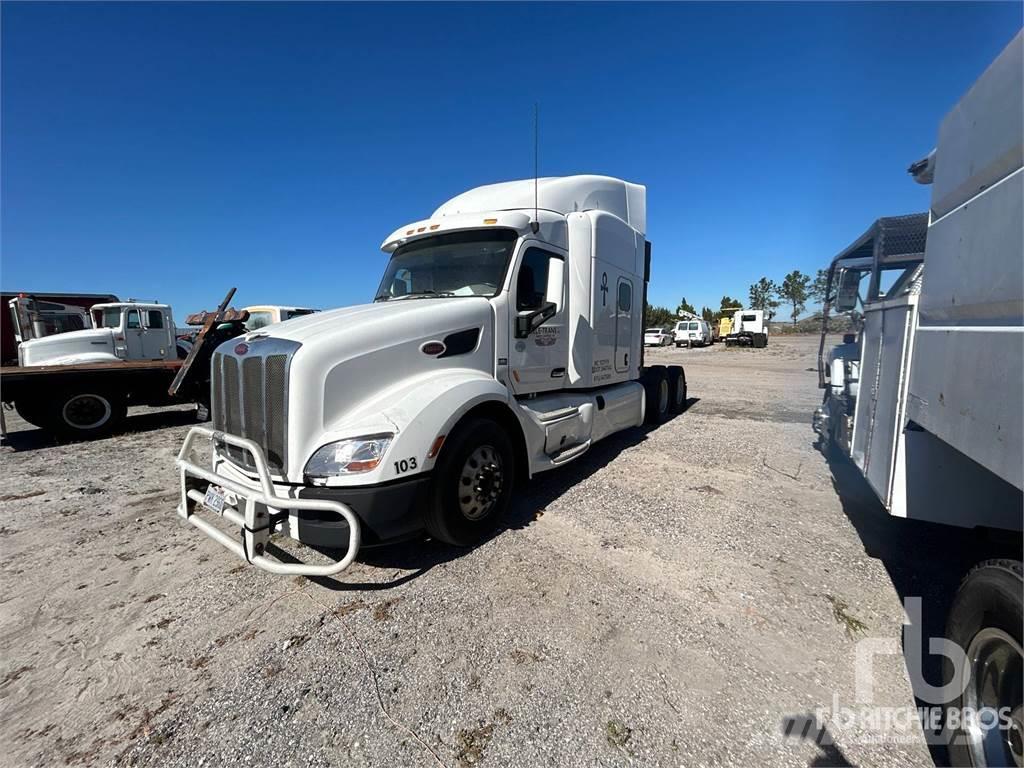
<point>663,396</point>
<point>480,483</point>
<point>995,663</point>
<point>86,411</point>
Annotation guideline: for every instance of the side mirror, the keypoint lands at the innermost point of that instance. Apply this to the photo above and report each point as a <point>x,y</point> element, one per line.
<point>528,322</point>
<point>553,291</point>
<point>847,294</point>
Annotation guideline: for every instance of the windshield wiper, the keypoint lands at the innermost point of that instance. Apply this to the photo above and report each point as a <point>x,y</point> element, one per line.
<point>426,293</point>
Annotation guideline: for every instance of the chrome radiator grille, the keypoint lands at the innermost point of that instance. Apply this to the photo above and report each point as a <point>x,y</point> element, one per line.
<point>250,399</point>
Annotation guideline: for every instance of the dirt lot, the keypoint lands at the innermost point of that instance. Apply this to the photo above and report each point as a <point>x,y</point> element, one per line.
<point>672,598</point>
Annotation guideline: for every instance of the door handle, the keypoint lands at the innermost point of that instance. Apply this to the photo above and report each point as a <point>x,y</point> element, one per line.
<point>557,373</point>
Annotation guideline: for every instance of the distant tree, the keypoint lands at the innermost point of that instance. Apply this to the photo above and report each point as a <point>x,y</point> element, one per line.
<point>728,306</point>
<point>685,306</point>
<point>762,296</point>
<point>707,314</point>
<point>655,317</point>
<point>819,286</point>
<point>794,291</point>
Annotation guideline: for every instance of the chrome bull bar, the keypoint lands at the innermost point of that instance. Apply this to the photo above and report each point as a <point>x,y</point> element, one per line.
<point>255,521</point>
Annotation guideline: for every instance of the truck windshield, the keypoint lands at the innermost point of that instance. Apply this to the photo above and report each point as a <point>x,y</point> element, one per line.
<point>471,263</point>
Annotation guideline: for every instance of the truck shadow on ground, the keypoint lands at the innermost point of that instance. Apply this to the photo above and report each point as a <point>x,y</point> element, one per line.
<point>924,560</point>
<point>33,439</point>
<point>419,555</point>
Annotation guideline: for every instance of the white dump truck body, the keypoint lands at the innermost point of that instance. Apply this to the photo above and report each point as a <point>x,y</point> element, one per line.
<point>517,304</point>
<point>927,400</point>
<point>128,331</point>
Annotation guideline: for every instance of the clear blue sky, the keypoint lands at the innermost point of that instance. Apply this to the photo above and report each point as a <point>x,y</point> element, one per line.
<point>172,150</point>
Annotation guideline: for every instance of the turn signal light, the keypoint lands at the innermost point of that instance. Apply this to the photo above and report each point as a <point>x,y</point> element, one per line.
<point>436,447</point>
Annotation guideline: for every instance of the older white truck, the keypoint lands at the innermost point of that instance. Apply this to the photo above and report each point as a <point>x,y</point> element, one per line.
<point>504,340</point>
<point>926,399</point>
<point>80,384</point>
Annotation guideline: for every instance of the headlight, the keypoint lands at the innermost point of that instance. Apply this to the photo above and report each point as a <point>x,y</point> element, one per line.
<point>349,457</point>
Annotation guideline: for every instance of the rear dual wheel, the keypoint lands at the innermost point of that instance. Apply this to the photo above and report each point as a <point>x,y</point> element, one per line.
<point>985,621</point>
<point>664,392</point>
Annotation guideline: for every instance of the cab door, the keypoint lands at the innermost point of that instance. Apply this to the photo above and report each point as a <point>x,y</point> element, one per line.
<point>156,335</point>
<point>538,356</point>
<point>134,334</point>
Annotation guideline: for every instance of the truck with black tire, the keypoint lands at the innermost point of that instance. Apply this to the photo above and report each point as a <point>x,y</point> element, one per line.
<point>505,339</point>
<point>749,328</point>
<point>79,384</point>
<point>925,399</point>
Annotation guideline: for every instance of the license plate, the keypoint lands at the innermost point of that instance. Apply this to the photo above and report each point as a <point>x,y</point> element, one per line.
<point>214,499</point>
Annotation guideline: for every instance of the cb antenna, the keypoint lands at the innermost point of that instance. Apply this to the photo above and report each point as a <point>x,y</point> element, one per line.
<point>535,224</point>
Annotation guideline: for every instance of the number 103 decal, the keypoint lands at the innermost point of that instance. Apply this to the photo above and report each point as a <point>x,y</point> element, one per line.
<point>405,465</point>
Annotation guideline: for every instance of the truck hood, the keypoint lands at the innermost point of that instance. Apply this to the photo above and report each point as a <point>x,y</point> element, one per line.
<point>87,346</point>
<point>350,369</point>
<point>364,324</point>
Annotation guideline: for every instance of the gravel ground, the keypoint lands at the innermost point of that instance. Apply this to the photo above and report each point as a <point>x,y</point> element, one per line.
<point>671,598</point>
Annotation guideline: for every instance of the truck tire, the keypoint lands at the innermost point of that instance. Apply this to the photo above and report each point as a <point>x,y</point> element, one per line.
<point>85,415</point>
<point>656,395</point>
<point>33,412</point>
<point>472,484</point>
<point>676,389</point>
<point>985,621</point>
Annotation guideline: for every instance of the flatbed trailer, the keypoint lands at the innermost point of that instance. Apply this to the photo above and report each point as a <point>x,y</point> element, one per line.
<point>86,400</point>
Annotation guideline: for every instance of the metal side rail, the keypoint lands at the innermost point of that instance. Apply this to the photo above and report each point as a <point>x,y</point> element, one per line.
<point>255,522</point>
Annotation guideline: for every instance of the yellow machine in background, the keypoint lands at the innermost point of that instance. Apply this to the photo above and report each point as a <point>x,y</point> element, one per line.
<point>724,326</point>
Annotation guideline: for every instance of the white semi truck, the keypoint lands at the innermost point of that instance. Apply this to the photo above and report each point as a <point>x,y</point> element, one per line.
<point>926,399</point>
<point>504,340</point>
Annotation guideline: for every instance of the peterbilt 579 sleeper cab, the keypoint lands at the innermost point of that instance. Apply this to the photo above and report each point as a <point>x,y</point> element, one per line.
<point>504,340</point>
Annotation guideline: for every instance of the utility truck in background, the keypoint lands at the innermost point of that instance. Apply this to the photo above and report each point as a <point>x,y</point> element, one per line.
<point>505,340</point>
<point>748,328</point>
<point>926,399</point>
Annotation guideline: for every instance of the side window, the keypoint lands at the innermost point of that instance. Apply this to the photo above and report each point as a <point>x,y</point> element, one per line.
<point>134,319</point>
<point>625,299</point>
<point>154,319</point>
<point>532,283</point>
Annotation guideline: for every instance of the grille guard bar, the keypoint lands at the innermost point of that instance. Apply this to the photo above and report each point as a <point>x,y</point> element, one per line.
<point>255,521</point>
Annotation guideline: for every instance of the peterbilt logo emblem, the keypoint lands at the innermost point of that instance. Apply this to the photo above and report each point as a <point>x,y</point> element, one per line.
<point>241,349</point>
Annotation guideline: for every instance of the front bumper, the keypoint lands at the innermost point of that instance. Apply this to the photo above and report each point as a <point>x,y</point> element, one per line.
<point>263,509</point>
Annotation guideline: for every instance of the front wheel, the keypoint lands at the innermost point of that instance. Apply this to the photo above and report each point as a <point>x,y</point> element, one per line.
<point>472,485</point>
<point>985,621</point>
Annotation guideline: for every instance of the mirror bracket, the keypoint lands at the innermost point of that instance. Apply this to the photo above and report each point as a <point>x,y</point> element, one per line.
<point>531,321</point>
